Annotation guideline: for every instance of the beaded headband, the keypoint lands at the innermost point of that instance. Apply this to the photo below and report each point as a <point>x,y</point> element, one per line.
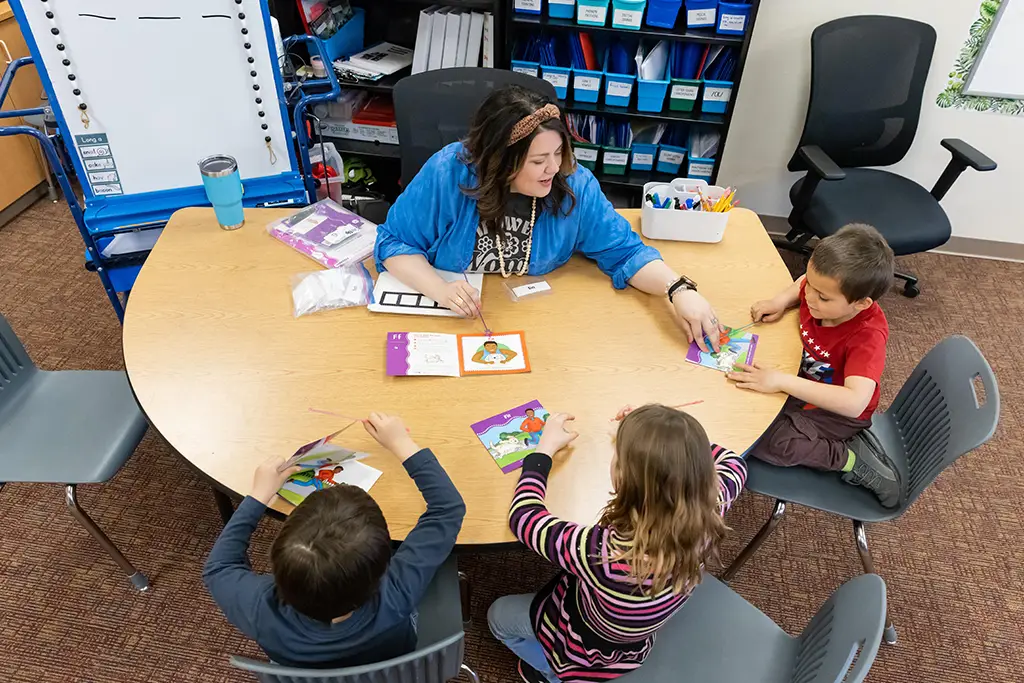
<point>529,123</point>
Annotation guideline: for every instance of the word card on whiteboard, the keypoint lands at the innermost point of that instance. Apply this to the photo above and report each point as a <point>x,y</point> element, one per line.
<point>147,88</point>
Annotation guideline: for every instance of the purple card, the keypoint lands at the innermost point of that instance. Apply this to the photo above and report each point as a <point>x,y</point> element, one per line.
<point>739,349</point>
<point>422,353</point>
<point>511,436</point>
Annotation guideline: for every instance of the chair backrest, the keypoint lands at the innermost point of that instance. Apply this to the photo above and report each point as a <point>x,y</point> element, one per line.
<point>841,641</point>
<point>437,663</point>
<point>15,365</point>
<point>435,108</point>
<point>867,78</point>
<point>938,412</point>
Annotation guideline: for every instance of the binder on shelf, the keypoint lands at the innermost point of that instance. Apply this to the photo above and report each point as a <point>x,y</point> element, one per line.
<point>487,58</point>
<point>421,51</point>
<point>463,49</point>
<point>586,74</point>
<point>437,30</point>
<point>453,24</point>
<point>476,34</point>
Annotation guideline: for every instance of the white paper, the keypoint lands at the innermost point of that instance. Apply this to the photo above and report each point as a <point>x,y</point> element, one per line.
<point>527,5</point>
<point>684,92</point>
<point>700,17</point>
<point>557,80</point>
<point>529,71</point>
<point>627,17</point>
<point>532,288</point>
<point>700,169</point>
<point>434,354</point>
<point>594,15</point>
<point>616,158</point>
<point>643,159</point>
<point>732,22</point>
<point>586,82</point>
<point>620,89</point>
<point>585,153</point>
<point>129,242</point>
<point>391,296</point>
<point>671,157</point>
<point>717,94</point>
<point>655,63</point>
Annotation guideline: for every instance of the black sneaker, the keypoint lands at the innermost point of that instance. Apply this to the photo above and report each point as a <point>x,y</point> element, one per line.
<point>874,470</point>
<point>529,674</point>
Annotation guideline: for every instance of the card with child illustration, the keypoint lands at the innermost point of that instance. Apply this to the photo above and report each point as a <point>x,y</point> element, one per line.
<point>455,355</point>
<point>512,435</point>
<point>737,347</point>
<point>325,464</point>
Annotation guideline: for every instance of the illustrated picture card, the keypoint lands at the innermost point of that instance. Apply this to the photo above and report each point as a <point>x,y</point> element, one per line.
<point>739,349</point>
<point>450,355</point>
<point>499,353</point>
<point>511,436</point>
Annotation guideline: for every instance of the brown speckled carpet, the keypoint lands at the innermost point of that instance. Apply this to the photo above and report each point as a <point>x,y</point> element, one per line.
<point>954,563</point>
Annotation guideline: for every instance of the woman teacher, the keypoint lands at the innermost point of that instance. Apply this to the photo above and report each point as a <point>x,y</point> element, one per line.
<point>511,200</point>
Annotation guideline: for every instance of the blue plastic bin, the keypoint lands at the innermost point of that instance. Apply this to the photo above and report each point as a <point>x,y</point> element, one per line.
<point>700,168</point>
<point>716,97</point>
<point>592,12</point>
<point>524,67</point>
<point>701,13</point>
<point>586,85</point>
<point>527,6</point>
<point>650,95</point>
<point>618,88</point>
<point>628,14</point>
<point>557,76</point>
<point>670,158</point>
<point>348,40</point>
<point>732,18</point>
<point>562,9</point>
<point>643,156</point>
<point>663,13</point>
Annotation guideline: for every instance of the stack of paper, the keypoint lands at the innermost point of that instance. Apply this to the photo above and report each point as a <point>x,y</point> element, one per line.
<point>450,37</point>
<point>371,64</point>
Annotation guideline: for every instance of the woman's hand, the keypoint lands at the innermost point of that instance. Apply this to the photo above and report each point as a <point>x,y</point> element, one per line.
<point>698,318</point>
<point>460,297</point>
<point>557,434</point>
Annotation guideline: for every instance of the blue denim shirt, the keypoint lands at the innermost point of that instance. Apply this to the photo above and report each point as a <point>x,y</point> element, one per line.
<point>435,218</point>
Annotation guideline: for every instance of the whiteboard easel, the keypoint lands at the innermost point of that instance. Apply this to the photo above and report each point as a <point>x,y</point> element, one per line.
<point>998,71</point>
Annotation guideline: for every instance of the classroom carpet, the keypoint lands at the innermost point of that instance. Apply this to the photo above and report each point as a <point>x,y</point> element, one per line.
<point>954,564</point>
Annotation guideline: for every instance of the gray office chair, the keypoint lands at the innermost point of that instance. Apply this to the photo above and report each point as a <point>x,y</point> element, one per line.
<point>435,108</point>
<point>938,416</point>
<point>438,656</point>
<point>70,427</point>
<point>719,636</point>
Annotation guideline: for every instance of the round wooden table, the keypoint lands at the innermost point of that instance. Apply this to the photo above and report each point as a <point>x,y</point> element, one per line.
<point>227,375</point>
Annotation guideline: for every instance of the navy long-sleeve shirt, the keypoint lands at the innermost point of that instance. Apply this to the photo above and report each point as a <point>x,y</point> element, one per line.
<point>378,630</point>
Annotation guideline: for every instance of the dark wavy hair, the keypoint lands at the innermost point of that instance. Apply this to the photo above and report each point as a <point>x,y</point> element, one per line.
<point>495,162</point>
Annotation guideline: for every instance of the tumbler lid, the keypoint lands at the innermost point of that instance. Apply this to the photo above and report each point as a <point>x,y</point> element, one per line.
<point>218,165</point>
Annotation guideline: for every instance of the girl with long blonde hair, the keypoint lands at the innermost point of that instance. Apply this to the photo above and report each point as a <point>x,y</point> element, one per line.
<point>625,576</point>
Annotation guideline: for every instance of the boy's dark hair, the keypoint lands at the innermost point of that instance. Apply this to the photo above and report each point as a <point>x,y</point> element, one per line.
<point>331,553</point>
<point>490,341</point>
<point>859,259</point>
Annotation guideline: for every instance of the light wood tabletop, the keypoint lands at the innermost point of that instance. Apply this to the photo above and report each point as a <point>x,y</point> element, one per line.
<point>227,375</point>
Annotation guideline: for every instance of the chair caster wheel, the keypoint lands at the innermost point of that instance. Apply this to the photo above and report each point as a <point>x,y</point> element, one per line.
<point>889,637</point>
<point>911,290</point>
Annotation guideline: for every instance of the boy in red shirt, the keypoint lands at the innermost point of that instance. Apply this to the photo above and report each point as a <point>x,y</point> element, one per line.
<point>825,419</point>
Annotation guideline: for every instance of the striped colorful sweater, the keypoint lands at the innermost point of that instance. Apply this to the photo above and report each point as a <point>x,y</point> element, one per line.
<point>592,620</point>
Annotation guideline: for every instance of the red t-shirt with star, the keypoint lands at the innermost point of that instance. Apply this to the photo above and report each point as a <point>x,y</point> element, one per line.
<point>855,348</point>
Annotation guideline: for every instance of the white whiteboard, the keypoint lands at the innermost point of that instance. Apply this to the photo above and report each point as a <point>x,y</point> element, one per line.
<point>167,81</point>
<point>998,70</point>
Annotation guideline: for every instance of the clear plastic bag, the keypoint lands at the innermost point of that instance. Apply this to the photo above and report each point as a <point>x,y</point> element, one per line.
<point>327,233</point>
<point>324,290</point>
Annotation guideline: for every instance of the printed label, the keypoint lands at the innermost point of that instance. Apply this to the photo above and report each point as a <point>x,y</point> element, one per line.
<point>616,158</point>
<point>307,224</point>
<point>585,154</point>
<point>732,22</point>
<point>627,17</point>
<point>94,148</point>
<point>103,177</point>
<point>527,5</point>
<point>717,94</point>
<point>529,71</point>
<point>591,14</point>
<point>674,158</point>
<point>620,89</point>
<point>95,151</point>
<point>684,92</point>
<point>587,82</point>
<point>94,139</point>
<point>107,189</point>
<point>701,17</point>
<point>99,164</point>
<point>532,288</point>
<point>643,159</point>
<point>557,80</point>
<point>701,169</point>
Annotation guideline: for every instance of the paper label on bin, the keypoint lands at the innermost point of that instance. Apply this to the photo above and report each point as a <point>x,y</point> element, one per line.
<point>643,159</point>
<point>561,2</point>
<point>700,17</point>
<point>717,94</point>
<point>732,22</point>
<point>620,89</point>
<point>701,169</point>
<point>529,71</point>
<point>616,158</point>
<point>684,92</point>
<point>627,17</point>
<point>585,154</point>
<point>557,80</point>
<point>527,5</point>
<point>586,82</point>
<point>671,157</point>
<point>594,15</point>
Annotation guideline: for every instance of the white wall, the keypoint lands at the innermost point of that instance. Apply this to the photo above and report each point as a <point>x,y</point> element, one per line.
<point>772,105</point>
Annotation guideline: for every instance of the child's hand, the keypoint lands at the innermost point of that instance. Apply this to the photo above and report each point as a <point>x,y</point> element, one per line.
<point>557,434</point>
<point>623,412</point>
<point>766,311</point>
<point>269,478</point>
<point>756,378</point>
<point>391,433</point>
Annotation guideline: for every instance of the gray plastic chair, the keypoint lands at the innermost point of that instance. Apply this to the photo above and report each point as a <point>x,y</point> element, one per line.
<point>719,636</point>
<point>438,656</point>
<point>69,427</point>
<point>937,417</point>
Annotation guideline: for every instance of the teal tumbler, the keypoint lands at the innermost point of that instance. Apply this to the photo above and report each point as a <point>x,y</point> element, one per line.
<point>223,189</point>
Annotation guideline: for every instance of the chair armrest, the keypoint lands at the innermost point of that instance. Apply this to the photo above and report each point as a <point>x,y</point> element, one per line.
<point>968,155</point>
<point>963,155</point>
<point>820,163</point>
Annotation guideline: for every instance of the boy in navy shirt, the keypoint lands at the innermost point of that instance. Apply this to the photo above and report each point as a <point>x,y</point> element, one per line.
<point>844,332</point>
<point>337,596</point>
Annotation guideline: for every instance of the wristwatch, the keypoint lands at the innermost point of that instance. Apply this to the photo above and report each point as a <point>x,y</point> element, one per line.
<point>682,283</point>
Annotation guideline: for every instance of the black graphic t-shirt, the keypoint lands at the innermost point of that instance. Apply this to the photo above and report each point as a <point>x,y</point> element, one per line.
<point>514,233</point>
